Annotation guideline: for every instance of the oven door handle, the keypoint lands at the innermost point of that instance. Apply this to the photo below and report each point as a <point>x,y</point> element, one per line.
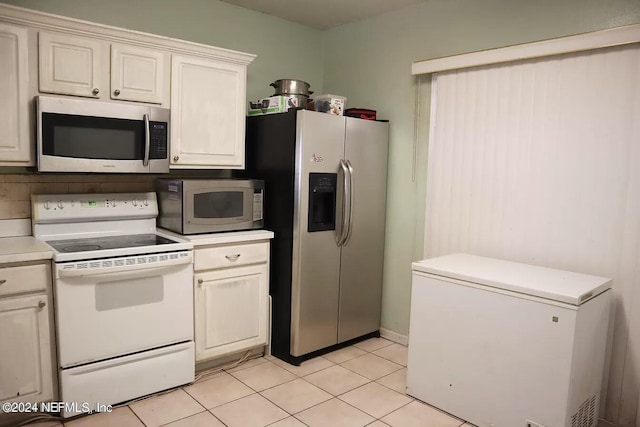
<point>147,140</point>
<point>147,268</point>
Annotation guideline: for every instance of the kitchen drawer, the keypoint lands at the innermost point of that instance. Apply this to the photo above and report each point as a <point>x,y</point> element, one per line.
<point>24,278</point>
<point>230,256</point>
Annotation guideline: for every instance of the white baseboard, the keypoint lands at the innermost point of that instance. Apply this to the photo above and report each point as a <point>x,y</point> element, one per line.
<point>394,336</point>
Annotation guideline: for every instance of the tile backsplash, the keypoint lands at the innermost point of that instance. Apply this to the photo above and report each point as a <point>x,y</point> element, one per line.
<point>16,189</point>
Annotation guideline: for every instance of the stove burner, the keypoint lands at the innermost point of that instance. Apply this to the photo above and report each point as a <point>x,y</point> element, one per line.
<point>109,242</point>
<point>143,242</point>
<point>80,248</point>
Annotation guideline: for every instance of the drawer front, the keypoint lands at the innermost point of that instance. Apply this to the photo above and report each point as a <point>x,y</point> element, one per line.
<point>26,278</point>
<point>230,256</point>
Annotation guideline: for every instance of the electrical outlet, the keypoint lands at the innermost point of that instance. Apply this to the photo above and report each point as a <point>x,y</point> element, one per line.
<point>529,423</point>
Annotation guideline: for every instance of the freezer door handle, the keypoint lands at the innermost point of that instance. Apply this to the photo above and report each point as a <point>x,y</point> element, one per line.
<point>349,216</point>
<point>345,203</point>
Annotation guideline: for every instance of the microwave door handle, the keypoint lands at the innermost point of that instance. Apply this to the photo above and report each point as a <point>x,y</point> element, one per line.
<point>147,140</point>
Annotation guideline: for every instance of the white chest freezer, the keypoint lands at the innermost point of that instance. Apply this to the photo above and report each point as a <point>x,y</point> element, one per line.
<point>503,344</point>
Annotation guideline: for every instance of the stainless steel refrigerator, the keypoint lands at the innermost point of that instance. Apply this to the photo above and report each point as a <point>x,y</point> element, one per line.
<point>325,194</point>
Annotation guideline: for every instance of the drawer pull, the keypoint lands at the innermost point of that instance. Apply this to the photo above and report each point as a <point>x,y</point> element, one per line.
<point>232,258</point>
<point>3,281</point>
<point>41,304</point>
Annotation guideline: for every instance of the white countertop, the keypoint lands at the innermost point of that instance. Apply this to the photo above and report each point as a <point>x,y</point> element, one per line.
<point>22,249</point>
<point>220,238</point>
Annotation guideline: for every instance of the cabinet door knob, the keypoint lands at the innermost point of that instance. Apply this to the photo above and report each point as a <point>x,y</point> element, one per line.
<point>200,282</point>
<point>232,258</point>
<point>41,304</point>
<point>116,92</point>
<point>175,158</point>
<point>95,91</point>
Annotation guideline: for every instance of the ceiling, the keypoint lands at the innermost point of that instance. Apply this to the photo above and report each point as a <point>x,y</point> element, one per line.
<point>323,14</point>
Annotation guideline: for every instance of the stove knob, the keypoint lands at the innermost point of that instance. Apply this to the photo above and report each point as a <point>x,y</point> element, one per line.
<point>145,202</point>
<point>60,204</point>
<point>46,205</point>
<point>134,202</point>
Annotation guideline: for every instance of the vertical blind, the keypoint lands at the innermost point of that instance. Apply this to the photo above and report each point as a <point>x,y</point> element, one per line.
<point>538,161</point>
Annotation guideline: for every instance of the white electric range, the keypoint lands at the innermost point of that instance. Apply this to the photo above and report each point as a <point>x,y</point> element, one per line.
<point>123,297</point>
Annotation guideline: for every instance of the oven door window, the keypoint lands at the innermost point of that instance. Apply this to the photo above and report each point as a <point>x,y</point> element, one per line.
<point>221,206</point>
<point>87,137</point>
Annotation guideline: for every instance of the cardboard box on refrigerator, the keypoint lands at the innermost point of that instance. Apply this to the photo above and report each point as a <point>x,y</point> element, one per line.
<point>273,104</point>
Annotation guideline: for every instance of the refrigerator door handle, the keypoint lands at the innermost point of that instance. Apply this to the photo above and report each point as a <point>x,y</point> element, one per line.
<point>349,216</point>
<point>346,208</point>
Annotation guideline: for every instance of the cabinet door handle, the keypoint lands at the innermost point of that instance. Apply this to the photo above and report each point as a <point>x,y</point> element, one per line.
<point>232,258</point>
<point>41,304</point>
<point>3,281</point>
<point>116,92</point>
<point>95,91</point>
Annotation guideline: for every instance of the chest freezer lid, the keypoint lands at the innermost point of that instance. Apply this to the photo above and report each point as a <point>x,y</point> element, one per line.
<point>557,285</point>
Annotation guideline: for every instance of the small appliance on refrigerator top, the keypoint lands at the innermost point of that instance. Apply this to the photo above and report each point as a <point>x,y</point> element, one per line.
<point>503,344</point>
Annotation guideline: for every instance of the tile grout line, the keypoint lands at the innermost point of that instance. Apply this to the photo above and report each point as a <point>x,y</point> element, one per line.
<point>183,418</point>
<point>136,415</point>
<point>400,407</point>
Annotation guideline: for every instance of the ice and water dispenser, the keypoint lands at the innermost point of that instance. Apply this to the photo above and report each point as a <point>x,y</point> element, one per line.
<point>322,202</point>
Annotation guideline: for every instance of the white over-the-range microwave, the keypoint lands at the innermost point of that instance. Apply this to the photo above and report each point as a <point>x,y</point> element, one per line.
<point>78,135</point>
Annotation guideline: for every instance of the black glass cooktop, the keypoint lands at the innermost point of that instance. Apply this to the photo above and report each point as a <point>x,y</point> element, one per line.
<point>110,242</point>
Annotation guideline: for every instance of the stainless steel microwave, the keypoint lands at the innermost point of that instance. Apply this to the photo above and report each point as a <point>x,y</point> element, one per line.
<point>78,135</point>
<point>193,206</point>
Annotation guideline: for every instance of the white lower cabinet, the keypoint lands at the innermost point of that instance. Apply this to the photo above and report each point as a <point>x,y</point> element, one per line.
<point>27,350</point>
<point>231,302</point>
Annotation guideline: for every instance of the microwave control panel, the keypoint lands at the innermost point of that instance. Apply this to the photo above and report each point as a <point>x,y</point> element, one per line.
<point>158,140</point>
<point>257,205</point>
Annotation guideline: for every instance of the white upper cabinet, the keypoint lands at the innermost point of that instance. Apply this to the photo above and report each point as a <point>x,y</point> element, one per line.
<point>205,86</point>
<point>71,65</point>
<point>15,147</point>
<point>207,113</point>
<point>138,74</point>
<point>79,66</point>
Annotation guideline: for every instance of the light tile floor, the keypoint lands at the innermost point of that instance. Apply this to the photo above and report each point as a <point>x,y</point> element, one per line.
<point>361,385</point>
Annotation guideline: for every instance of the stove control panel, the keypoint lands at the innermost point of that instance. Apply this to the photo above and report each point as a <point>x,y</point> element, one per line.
<point>51,208</point>
<point>113,265</point>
